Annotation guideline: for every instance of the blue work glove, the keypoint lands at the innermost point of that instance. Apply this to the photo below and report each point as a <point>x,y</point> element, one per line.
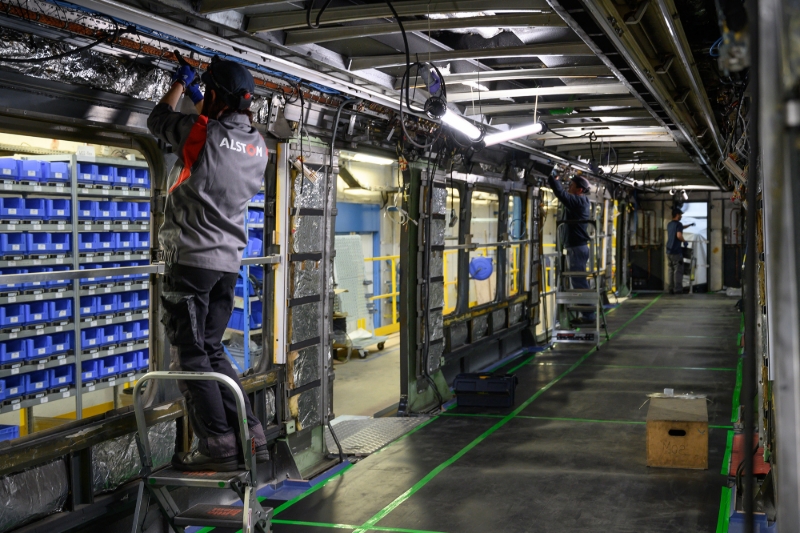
<point>194,93</point>
<point>184,74</point>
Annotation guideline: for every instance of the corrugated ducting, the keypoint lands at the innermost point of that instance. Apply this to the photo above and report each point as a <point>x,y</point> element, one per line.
<point>438,227</point>
<point>437,262</point>
<point>32,494</point>
<point>437,326</point>
<point>304,366</point>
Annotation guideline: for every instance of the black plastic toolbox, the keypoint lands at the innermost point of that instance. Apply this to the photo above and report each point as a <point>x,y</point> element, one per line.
<point>485,390</point>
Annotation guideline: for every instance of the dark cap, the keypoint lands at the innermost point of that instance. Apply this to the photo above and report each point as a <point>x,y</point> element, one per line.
<point>676,212</point>
<point>581,182</point>
<point>232,81</point>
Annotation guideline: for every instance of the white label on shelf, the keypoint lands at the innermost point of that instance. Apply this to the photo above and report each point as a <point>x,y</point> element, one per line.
<point>62,361</point>
<point>37,261</point>
<point>12,335</point>
<point>59,328</point>
<point>93,323</point>
<point>106,226</point>
<point>59,211</point>
<point>40,366</point>
<point>39,226</point>
<point>13,319</point>
<point>58,174</point>
<point>87,177</point>
<point>59,188</point>
<point>112,382</point>
<point>124,226</point>
<point>88,245</point>
<point>12,211</point>
<point>95,355</point>
<point>38,296</point>
<point>12,299</point>
<point>37,188</point>
<point>7,186</point>
<point>128,318</point>
<point>12,227</point>
<point>60,261</point>
<point>14,371</point>
<point>15,246</point>
<point>61,226</point>
<point>59,246</point>
<point>65,394</point>
<point>16,407</point>
<point>7,171</point>
<point>90,388</point>
<point>40,331</point>
<point>44,399</point>
<point>125,192</point>
<point>12,263</point>
<point>111,351</point>
<point>31,173</point>
<point>34,211</point>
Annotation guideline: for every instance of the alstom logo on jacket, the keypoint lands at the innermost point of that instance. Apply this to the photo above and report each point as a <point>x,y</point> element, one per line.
<point>236,146</point>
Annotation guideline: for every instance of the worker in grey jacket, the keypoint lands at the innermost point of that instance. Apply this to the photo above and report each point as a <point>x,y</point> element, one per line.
<point>221,164</point>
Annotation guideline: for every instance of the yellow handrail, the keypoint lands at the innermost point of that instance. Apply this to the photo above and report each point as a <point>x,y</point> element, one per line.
<point>394,326</point>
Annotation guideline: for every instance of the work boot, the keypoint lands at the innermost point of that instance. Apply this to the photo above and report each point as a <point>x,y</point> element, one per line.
<point>197,462</point>
<point>262,456</point>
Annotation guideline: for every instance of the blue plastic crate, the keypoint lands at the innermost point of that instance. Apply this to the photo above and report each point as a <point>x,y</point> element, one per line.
<point>128,361</point>
<point>142,241</point>
<point>62,342</point>
<point>141,178</point>
<point>38,347</point>
<point>8,432</point>
<point>14,385</point>
<point>255,216</point>
<point>36,312</point>
<point>257,272</point>
<point>90,370</point>
<point>114,265</point>
<point>123,176</point>
<point>9,169</point>
<point>87,172</point>
<point>90,337</point>
<point>35,209</point>
<point>88,241</point>
<point>60,309</point>
<point>142,299</point>
<point>109,366</point>
<point>31,170</point>
<point>106,210</point>
<point>143,331</point>
<point>36,381</point>
<point>13,244</point>
<point>256,314</point>
<point>106,304</point>
<point>60,282</point>
<point>58,209</point>
<point>56,172</point>
<point>258,198</point>
<point>89,305</point>
<point>87,209</point>
<point>12,315</point>
<point>125,211</point>
<point>128,332</point>
<point>33,285</point>
<point>106,242</point>
<point>109,335</point>
<point>142,211</point>
<point>239,289</point>
<point>254,248</point>
<point>11,287</point>
<point>237,320</point>
<point>105,175</point>
<point>37,243</point>
<point>12,208</point>
<point>2,390</point>
<point>13,350</point>
<point>60,243</point>
<point>143,359</point>
<point>124,241</point>
<point>62,376</point>
<point>127,301</point>
<point>95,279</point>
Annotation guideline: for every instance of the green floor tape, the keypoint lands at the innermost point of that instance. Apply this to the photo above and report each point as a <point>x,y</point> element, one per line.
<point>715,369</point>
<point>380,515</point>
<point>724,518</point>
<point>310,491</point>
<point>348,526</point>
<point>726,459</point>
<point>568,419</point>
<point>737,391</point>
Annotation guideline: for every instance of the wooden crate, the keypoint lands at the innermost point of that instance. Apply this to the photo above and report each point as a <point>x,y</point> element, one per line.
<point>677,433</point>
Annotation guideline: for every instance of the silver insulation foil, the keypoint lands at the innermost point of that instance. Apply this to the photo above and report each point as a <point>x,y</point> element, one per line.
<point>437,263</point>
<point>514,314</point>
<point>438,227</point>
<point>304,321</point>
<point>458,335</point>
<point>306,279</point>
<point>439,206</point>
<point>32,494</point>
<point>436,321</point>
<point>437,294</point>
<point>116,461</point>
<point>498,319</point>
<point>304,366</point>
<point>305,408</point>
<point>306,234</point>
<point>271,409</point>
<point>308,194</point>
<point>480,326</point>
<point>435,357</point>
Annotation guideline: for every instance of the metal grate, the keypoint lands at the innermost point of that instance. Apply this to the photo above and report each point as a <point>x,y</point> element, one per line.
<point>368,435</point>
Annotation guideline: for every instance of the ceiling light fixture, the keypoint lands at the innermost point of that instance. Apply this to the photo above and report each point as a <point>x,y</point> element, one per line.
<point>523,131</point>
<point>459,123</point>
<point>375,160</point>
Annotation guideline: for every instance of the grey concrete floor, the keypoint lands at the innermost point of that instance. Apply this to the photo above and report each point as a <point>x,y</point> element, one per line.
<point>364,387</point>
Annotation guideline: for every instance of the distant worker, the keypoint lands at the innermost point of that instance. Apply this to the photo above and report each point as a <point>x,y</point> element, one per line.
<point>576,205</point>
<point>222,159</point>
<point>675,252</point>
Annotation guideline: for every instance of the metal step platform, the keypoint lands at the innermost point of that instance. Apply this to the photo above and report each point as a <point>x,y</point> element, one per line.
<point>203,514</point>
<point>170,477</point>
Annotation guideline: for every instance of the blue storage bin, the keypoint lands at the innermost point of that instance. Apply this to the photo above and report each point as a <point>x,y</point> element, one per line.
<point>60,282</point>
<point>88,241</point>
<point>125,211</point>
<point>95,279</point>
<point>14,385</point>
<point>141,211</point>
<point>87,172</point>
<point>8,432</point>
<point>60,243</point>
<point>36,381</point>
<point>12,208</point>
<point>29,285</point>
<point>142,241</point>
<point>55,172</point>
<point>255,216</point>
<point>123,176</point>
<point>257,272</point>
<point>253,248</point>
<point>60,309</point>
<point>106,304</point>
<point>87,209</point>
<point>62,342</point>
<point>106,242</point>
<point>125,241</point>
<point>143,299</point>
<point>108,366</point>
<point>13,244</point>
<point>106,210</point>
<point>128,361</point>
<point>114,265</point>
<point>143,329</point>
<point>90,370</point>
<point>62,376</point>
<point>38,347</point>
<point>90,337</point>
<point>142,276</point>
<point>11,287</point>
<point>89,305</point>
<point>258,198</point>
<point>128,332</point>
<point>143,359</point>
<point>58,209</point>
<point>12,314</point>
<point>141,178</point>
<point>237,320</point>
<point>36,312</point>
<point>9,169</point>
<point>105,175</point>
<point>13,350</point>
<point>2,391</point>
<point>127,301</point>
<point>35,209</point>
<point>109,335</point>
<point>239,289</point>
<point>37,243</point>
<point>31,170</point>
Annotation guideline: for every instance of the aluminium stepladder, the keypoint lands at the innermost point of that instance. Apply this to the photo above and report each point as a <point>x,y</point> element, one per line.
<point>251,517</point>
<point>569,299</point>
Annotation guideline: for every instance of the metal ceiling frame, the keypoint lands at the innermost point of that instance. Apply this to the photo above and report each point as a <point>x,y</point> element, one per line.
<point>600,88</point>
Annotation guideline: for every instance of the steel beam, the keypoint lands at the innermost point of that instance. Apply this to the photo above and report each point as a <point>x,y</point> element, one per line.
<point>211,6</point>
<point>643,139</point>
<point>321,35</point>
<point>553,120</point>
<point>596,126</point>
<point>605,88</point>
<point>338,15</point>
<point>567,104</point>
<point>592,71</point>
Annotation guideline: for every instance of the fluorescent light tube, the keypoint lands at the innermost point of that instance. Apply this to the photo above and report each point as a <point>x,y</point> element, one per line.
<point>524,131</point>
<point>457,122</point>
<point>365,158</point>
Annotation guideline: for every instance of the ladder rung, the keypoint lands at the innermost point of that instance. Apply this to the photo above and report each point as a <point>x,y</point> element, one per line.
<point>170,477</point>
<point>203,514</point>
<point>583,274</point>
<point>574,336</point>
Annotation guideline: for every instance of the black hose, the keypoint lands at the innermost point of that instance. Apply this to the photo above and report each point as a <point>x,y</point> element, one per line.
<point>336,440</point>
<point>106,39</point>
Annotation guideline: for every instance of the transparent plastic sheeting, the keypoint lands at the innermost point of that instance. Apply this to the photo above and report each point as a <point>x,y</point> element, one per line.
<point>306,234</point>
<point>498,319</point>
<point>305,408</point>
<point>480,326</point>
<point>271,410</point>
<point>439,206</point>
<point>437,326</point>
<point>438,227</point>
<point>307,194</point>
<point>116,74</point>
<point>116,461</point>
<point>458,335</point>
<point>435,356</point>
<point>306,279</point>
<point>437,294</point>
<point>514,314</point>
<point>304,322</point>
<point>32,494</point>
<point>304,366</point>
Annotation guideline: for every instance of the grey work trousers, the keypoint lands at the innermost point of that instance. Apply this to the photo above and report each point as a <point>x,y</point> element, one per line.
<point>675,273</point>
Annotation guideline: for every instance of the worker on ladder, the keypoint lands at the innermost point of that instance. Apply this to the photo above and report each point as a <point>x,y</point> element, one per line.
<point>222,159</point>
<point>576,206</point>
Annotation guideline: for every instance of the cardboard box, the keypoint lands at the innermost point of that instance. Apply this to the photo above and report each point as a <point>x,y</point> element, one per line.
<point>677,433</point>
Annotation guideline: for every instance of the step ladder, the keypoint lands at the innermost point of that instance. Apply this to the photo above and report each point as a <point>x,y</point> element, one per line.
<point>571,300</point>
<point>249,517</point>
